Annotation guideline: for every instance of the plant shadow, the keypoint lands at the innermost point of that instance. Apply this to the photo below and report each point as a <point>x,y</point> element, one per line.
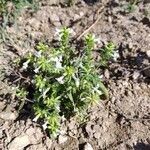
<point>141,146</point>
<point>132,67</point>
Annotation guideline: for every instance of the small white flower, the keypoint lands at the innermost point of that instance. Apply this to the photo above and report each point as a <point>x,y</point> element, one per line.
<point>63,118</point>
<point>37,53</point>
<point>115,56</point>
<point>71,31</point>
<point>101,77</point>
<point>36,70</point>
<point>77,81</point>
<point>57,34</point>
<point>25,64</point>
<point>44,93</point>
<point>55,59</point>
<point>45,125</point>
<point>96,90</point>
<point>58,65</point>
<point>58,107</point>
<point>36,118</point>
<point>60,80</point>
<point>58,61</point>
<point>97,40</point>
<point>60,58</point>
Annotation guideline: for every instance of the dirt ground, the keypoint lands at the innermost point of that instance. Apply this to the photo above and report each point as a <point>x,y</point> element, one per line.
<point>120,123</point>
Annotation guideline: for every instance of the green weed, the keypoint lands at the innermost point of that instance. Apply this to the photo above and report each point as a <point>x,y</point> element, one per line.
<point>131,6</point>
<point>107,53</point>
<point>64,82</point>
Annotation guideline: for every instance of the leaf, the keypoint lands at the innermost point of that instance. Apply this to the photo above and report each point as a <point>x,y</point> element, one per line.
<point>104,89</point>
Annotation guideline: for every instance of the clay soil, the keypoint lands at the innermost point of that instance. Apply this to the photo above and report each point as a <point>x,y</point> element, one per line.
<point>121,122</point>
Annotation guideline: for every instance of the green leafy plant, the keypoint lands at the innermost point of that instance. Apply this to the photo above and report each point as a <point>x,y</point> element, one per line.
<point>107,53</point>
<point>64,82</point>
<point>131,6</point>
<point>10,10</point>
<point>2,5</point>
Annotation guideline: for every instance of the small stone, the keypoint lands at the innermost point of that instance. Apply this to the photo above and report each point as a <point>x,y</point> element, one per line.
<point>89,130</point>
<point>54,18</point>
<point>30,131</point>
<point>97,135</point>
<point>109,19</point>
<point>34,23</point>
<point>106,74</point>
<point>76,17</point>
<point>8,115</point>
<point>57,24</point>
<point>88,146</point>
<point>71,124</point>
<point>1,134</point>
<point>148,53</point>
<point>96,128</point>
<point>19,143</point>
<point>62,139</point>
<point>130,45</point>
<point>81,14</point>
<point>136,74</point>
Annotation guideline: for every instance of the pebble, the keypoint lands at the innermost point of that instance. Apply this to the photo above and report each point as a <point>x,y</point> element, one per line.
<point>89,130</point>
<point>8,115</point>
<point>130,45</point>
<point>55,20</point>
<point>34,23</point>
<point>97,135</point>
<point>107,74</point>
<point>19,143</point>
<point>88,146</point>
<point>62,139</point>
<point>136,74</point>
<point>96,128</point>
<point>1,133</point>
<point>148,53</point>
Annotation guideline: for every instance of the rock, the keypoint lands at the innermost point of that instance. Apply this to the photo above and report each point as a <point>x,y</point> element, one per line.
<point>8,115</point>
<point>62,139</point>
<point>19,143</point>
<point>88,147</point>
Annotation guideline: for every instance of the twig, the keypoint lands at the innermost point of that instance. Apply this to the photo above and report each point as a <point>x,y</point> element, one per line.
<point>139,71</point>
<point>139,119</point>
<point>90,27</point>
